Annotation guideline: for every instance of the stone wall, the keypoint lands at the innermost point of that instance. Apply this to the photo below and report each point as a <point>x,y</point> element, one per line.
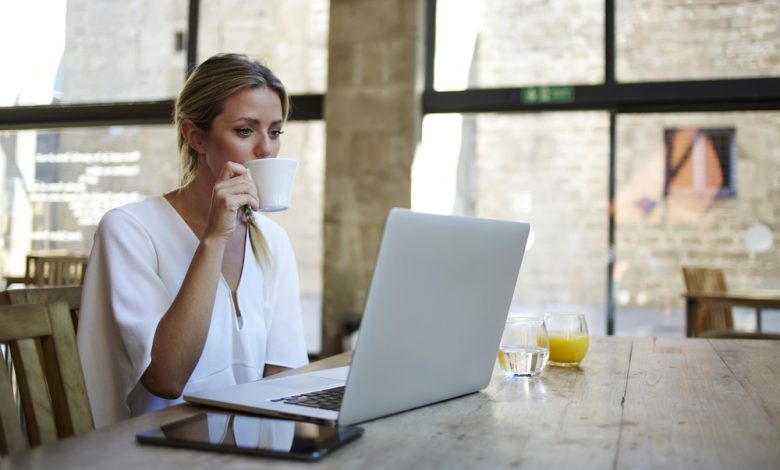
<point>372,116</point>
<point>688,40</point>
<point>540,42</point>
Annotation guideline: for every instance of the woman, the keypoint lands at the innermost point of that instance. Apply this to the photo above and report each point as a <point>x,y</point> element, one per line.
<point>192,289</point>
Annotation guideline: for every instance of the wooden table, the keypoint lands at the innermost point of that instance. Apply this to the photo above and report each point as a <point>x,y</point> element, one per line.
<point>757,299</point>
<point>634,403</point>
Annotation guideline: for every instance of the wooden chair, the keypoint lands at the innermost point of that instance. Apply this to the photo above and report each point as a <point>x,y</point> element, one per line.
<point>54,270</point>
<point>47,371</point>
<point>38,295</point>
<point>710,317</point>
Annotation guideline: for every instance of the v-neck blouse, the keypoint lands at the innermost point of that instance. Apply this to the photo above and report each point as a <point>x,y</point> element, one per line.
<point>140,255</point>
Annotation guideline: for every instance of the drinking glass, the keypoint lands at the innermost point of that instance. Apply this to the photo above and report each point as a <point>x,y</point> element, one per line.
<point>524,347</point>
<point>568,338</point>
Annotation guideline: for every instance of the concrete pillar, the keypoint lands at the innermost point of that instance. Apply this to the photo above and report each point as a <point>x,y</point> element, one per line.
<point>373,122</point>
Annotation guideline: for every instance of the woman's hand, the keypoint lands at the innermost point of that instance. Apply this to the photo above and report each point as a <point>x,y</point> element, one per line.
<point>232,191</point>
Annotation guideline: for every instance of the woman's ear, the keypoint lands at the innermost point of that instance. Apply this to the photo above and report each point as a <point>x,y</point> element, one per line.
<point>193,135</point>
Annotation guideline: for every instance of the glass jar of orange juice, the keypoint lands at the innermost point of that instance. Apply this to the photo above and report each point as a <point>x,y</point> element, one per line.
<point>568,338</point>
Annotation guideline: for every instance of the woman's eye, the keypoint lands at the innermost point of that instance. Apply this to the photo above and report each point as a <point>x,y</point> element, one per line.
<point>244,131</point>
<point>276,132</point>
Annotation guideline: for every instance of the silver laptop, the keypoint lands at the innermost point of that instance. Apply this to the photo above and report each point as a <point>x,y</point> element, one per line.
<point>434,314</point>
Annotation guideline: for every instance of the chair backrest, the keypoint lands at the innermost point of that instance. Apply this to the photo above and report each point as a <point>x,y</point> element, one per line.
<point>55,270</point>
<point>709,317</point>
<point>47,294</point>
<point>47,373</point>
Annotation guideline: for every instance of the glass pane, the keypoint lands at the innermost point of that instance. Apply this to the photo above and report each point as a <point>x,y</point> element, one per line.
<point>506,43</point>
<point>290,36</point>
<point>57,184</point>
<point>548,169</point>
<point>88,51</point>
<point>672,211</point>
<point>696,39</point>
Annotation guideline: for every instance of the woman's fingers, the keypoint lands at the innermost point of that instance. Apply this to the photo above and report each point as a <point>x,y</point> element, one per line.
<point>234,177</point>
<point>232,191</point>
<point>230,170</point>
<point>237,187</point>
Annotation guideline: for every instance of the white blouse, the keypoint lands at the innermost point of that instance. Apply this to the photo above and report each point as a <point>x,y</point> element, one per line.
<point>139,258</point>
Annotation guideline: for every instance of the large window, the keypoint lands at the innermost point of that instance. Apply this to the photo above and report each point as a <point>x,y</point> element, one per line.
<point>636,137</point>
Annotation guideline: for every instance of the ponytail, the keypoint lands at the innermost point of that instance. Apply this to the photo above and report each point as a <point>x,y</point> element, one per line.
<point>257,239</point>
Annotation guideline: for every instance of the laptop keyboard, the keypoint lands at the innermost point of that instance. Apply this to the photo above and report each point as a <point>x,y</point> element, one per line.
<point>328,399</point>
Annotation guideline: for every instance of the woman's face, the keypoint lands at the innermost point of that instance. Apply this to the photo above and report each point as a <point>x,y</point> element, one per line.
<point>249,127</point>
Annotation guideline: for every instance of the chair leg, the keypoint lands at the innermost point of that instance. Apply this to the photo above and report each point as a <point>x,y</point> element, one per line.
<point>691,307</point>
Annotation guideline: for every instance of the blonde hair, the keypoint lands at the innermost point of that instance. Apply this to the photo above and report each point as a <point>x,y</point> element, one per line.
<point>203,98</point>
<point>256,239</point>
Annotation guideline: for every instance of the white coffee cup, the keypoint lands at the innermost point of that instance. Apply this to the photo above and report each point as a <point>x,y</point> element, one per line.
<point>274,180</point>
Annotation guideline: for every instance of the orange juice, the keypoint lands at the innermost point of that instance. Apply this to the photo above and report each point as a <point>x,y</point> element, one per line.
<point>502,360</point>
<point>569,349</point>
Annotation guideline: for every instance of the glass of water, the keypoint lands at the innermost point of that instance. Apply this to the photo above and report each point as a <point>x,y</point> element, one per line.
<point>524,347</point>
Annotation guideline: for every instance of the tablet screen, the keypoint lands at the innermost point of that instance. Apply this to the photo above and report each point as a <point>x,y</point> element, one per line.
<point>255,435</point>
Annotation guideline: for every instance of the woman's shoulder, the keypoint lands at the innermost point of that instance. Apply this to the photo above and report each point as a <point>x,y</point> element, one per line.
<point>144,211</point>
<point>147,216</point>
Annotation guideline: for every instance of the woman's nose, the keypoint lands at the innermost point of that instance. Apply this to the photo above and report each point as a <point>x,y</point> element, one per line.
<point>263,147</point>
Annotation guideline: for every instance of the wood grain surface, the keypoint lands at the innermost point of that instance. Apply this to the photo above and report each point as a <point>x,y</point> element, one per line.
<point>633,403</point>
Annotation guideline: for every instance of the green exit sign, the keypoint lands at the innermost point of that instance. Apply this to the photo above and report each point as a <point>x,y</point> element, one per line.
<point>548,94</point>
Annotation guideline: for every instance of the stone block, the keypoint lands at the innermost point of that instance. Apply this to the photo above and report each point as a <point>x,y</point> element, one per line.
<point>342,66</point>
<point>374,61</point>
<point>371,109</point>
<point>355,21</point>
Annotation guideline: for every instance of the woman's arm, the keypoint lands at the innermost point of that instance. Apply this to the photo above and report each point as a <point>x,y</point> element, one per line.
<point>181,334</point>
<point>182,331</point>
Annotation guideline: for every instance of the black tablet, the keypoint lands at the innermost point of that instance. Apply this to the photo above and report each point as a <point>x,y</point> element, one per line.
<point>252,435</point>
